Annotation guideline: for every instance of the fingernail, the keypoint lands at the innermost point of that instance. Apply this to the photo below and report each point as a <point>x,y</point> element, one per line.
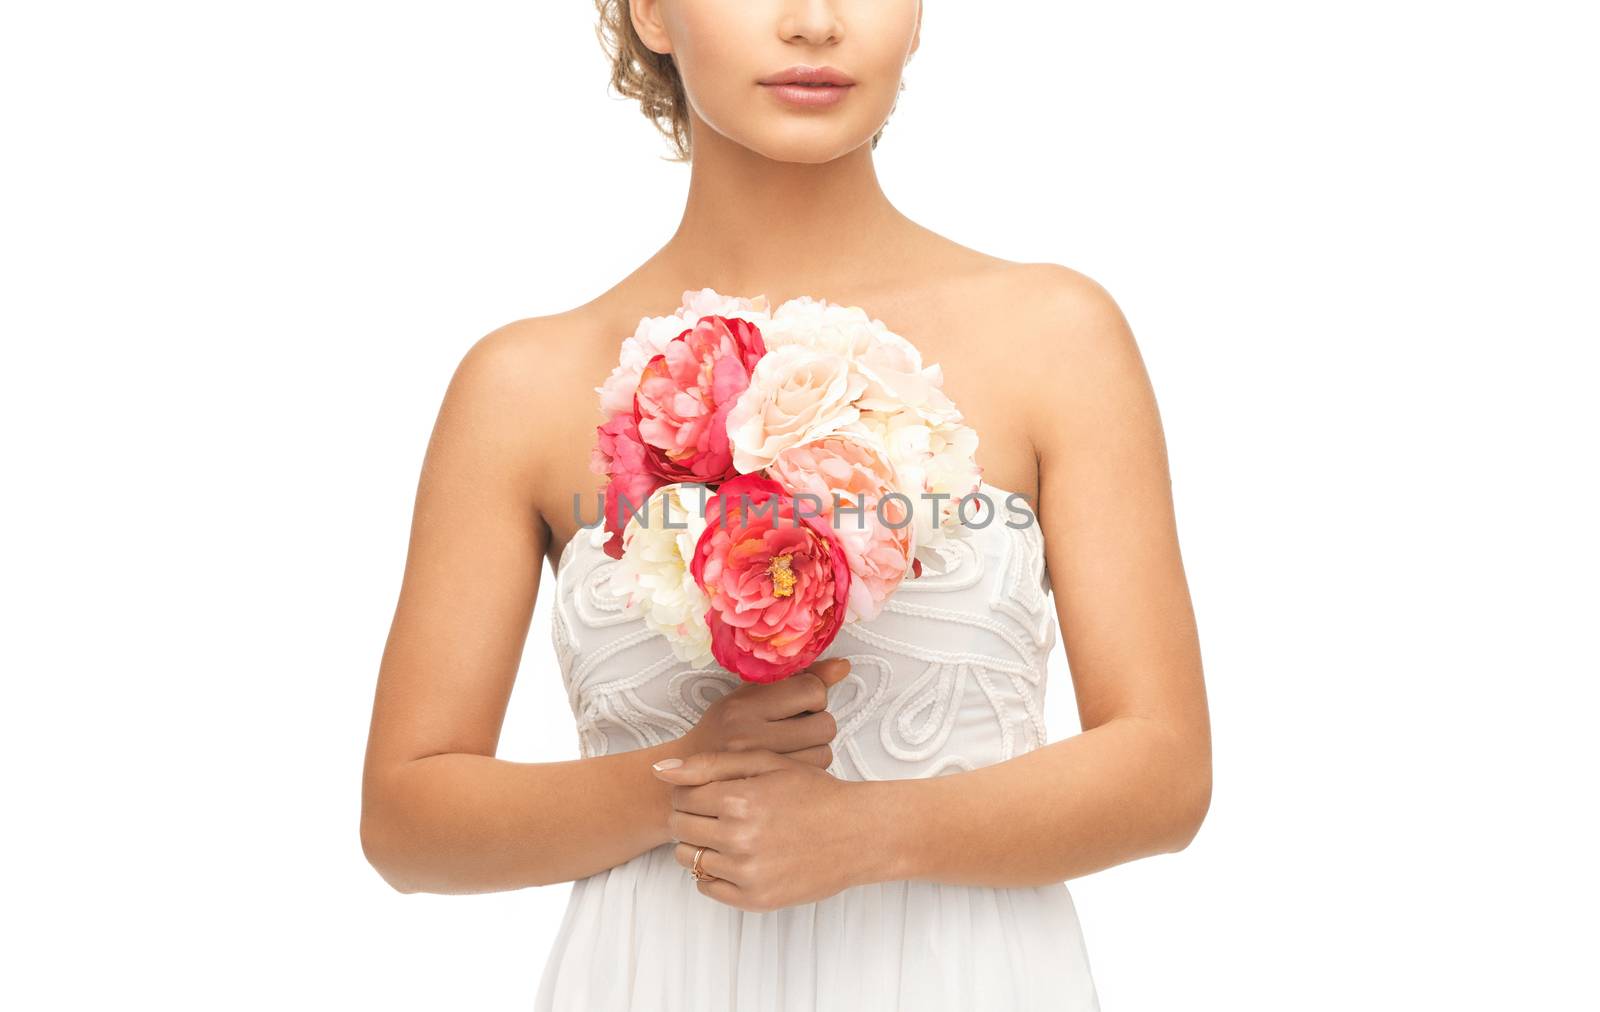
<point>666,764</point>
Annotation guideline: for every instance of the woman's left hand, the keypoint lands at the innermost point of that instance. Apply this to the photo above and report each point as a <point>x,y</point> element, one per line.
<point>777,832</point>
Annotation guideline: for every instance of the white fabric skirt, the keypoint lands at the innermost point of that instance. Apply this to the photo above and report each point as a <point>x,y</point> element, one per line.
<point>641,936</point>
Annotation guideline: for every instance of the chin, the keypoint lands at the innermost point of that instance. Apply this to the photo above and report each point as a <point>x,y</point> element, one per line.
<point>807,144</point>
<point>807,152</point>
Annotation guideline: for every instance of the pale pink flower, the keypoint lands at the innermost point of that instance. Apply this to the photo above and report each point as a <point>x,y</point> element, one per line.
<point>876,533</point>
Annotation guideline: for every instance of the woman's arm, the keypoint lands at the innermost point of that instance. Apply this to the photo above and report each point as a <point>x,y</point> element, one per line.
<point>439,812</point>
<point>1137,780</point>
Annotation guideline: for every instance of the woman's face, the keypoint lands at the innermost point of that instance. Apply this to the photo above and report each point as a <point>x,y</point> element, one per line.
<point>735,55</point>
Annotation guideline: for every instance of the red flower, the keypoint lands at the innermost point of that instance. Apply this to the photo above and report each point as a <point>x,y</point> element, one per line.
<point>619,457</point>
<point>777,582</point>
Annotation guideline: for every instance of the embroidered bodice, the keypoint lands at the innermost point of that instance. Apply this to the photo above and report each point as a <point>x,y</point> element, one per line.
<point>951,675</point>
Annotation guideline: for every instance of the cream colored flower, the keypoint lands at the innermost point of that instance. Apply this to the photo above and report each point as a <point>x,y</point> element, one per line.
<point>822,325</point>
<point>657,546</point>
<point>796,394</point>
<point>891,366</point>
<point>936,458</point>
<point>897,379</point>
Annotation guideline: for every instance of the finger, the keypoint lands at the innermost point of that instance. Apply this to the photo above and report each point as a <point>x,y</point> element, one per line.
<point>704,767</point>
<point>832,671</point>
<point>820,756</point>
<point>828,673</point>
<point>805,692</point>
<point>712,862</point>
<point>794,733</point>
<point>697,830</point>
<point>802,692</point>
<point>723,891</point>
<point>706,799</point>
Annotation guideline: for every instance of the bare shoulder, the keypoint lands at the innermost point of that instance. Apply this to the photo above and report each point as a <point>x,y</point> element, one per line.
<point>523,392</point>
<point>516,360</point>
<point>1085,368</point>
<point>1045,305</point>
<point>1065,310</point>
<point>1068,320</point>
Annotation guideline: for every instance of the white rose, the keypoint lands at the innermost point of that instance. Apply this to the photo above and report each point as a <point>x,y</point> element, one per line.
<point>796,394</point>
<point>929,459</point>
<point>896,379</point>
<point>657,546</point>
<point>952,469</point>
<point>823,326</point>
<point>708,302</point>
<point>891,366</point>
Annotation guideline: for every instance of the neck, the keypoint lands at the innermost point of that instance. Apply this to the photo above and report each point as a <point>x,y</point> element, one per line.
<point>753,225</point>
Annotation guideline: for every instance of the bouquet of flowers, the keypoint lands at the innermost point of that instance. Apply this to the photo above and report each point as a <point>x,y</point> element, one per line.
<point>773,474</point>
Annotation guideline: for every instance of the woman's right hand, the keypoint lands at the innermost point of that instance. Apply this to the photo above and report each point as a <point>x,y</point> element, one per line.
<point>789,716</point>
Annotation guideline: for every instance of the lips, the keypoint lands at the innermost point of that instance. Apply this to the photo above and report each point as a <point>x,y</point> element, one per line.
<point>808,87</point>
<point>810,77</point>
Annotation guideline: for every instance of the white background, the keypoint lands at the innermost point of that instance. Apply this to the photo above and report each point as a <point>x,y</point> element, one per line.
<point>243,246</point>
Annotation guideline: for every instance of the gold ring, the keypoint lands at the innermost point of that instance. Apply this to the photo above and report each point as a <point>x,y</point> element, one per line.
<point>698,872</point>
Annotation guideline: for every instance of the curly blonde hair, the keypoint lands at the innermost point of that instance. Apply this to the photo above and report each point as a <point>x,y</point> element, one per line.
<point>639,72</point>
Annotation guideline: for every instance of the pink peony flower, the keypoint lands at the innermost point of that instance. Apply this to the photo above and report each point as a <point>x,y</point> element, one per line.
<point>778,583</point>
<point>619,457</point>
<point>684,396</point>
<point>654,332</point>
<point>876,534</point>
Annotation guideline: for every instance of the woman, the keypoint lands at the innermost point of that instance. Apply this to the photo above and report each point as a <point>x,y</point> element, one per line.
<point>889,828</point>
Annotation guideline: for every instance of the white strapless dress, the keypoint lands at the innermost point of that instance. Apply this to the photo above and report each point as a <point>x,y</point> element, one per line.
<point>950,677</point>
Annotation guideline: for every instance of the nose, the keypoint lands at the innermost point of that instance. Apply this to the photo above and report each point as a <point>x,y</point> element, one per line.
<point>813,22</point>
